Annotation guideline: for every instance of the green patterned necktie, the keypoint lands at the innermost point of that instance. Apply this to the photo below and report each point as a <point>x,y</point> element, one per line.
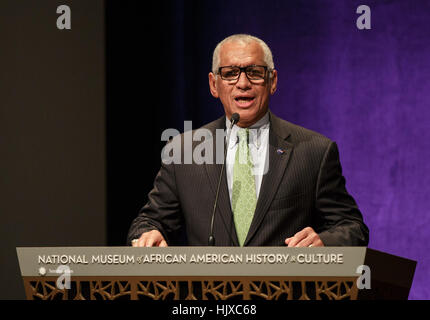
<point>244,197</point>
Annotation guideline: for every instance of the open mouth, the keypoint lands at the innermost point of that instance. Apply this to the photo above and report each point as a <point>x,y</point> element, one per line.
<point>244,101</point>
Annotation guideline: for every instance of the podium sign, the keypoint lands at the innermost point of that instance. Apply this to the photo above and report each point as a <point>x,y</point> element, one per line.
<point>203,273</point>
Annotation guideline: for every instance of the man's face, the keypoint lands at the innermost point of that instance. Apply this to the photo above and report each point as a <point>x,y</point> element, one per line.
<point>249,99</point>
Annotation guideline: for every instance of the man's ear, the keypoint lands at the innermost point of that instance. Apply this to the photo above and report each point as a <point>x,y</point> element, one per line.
<point>212,85</point>
<point>273,82</point>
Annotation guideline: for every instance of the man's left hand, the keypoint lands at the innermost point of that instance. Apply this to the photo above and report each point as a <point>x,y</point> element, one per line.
<point>305,238</point>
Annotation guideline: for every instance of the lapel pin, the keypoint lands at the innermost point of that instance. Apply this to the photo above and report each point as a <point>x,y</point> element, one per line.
<point>280,151</point>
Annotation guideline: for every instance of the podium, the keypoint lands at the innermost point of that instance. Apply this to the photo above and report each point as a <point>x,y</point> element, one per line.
<point>213,273</point>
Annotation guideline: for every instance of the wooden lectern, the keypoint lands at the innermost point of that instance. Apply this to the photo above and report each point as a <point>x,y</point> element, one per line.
<point>208,273</point>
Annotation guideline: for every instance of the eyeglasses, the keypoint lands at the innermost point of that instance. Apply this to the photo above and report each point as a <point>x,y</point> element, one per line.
<point>254,73</point>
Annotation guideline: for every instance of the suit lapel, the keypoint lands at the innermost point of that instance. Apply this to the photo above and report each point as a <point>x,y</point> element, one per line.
<point>223,210</point>
<point>279,153</point>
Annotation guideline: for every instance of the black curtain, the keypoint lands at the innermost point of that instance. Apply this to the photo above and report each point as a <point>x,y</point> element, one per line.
<point>156,74</point>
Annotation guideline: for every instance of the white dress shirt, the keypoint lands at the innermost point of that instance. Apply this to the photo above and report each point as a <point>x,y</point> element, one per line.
<point>258,143</point>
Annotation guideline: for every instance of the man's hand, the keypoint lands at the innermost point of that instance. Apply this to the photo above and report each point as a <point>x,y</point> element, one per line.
<point>151,238</point>
<point>305,238</point>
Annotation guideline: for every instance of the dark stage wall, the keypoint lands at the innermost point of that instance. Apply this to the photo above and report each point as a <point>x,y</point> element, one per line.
<point>52,131</point>
<point>367,90</point>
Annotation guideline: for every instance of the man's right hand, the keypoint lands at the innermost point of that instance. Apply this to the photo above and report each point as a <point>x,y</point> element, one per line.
<point>152,238</point>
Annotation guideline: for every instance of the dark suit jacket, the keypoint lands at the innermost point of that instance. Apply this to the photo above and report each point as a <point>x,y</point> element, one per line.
<point>303,187</point>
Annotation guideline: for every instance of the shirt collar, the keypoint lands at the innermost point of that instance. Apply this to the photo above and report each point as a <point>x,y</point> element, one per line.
<point>254,134</point>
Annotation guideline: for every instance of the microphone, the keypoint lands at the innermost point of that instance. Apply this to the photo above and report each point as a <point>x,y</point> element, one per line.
<point>234,119</point>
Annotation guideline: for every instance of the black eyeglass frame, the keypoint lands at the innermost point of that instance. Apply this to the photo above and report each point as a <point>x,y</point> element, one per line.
<point>243,69</point>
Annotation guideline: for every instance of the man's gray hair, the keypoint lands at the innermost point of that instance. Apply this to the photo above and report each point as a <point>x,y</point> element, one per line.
<point>246,39</point>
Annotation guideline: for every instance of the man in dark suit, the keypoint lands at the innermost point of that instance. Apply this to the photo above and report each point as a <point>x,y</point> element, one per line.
<point>282,184</point>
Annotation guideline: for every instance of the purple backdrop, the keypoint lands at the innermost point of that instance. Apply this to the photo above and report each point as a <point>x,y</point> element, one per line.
<point>368,90</point>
